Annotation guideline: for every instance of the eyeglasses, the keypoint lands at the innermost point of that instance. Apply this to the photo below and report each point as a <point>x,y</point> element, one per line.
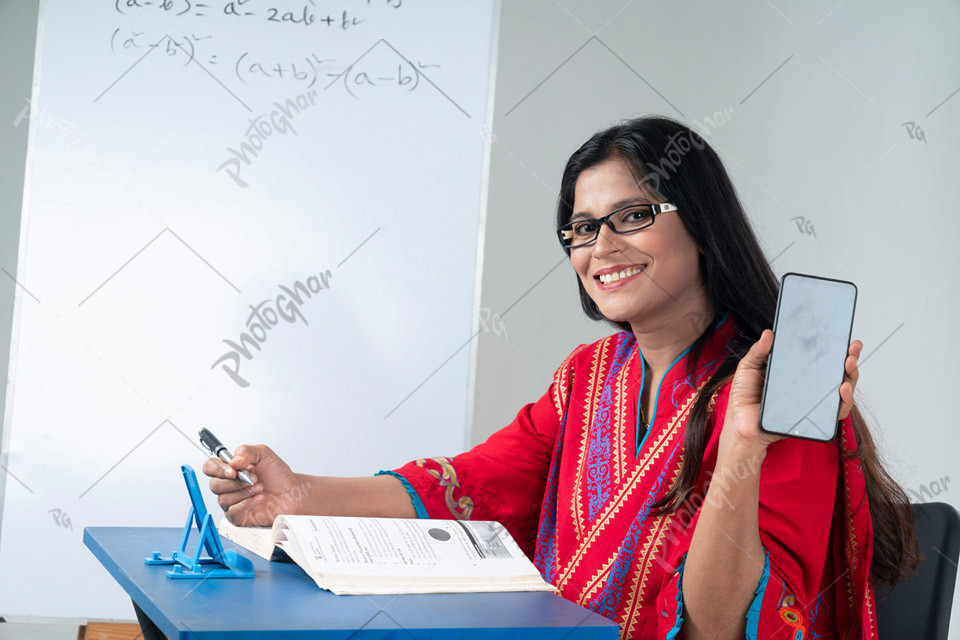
<point>630,218</point>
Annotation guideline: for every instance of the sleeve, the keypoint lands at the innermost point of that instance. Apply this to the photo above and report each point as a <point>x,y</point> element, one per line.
<point>501,479</point>
<point>798,490</point>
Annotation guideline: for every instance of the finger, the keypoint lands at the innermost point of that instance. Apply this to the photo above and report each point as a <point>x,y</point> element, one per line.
<point>846,393</point>
<point>216,468</point>
<point>851,363</point>
<point>846,400</point>
<point>220,486</point>
<point>247,455</point>
<point>756,357</point>
<point>246,512</point>
<point>856,348</point>
<point>227,500</point>
<point>852,370</point>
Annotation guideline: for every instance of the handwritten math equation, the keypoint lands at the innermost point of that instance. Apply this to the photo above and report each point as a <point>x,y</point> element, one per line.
<point>308,71</point>
<point>306,14</point>
<point>195,44</point>
<point>405,74</point>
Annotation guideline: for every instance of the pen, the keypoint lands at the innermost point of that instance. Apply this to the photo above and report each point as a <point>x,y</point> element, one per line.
<point>214,446</point>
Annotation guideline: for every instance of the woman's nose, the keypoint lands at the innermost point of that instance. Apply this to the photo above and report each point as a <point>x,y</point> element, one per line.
<point>606,241</point>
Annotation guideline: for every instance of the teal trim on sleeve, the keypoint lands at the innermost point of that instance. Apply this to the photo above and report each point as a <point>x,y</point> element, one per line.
<point>679,620</point>
<point>414,498</point>
<point>753,613</point>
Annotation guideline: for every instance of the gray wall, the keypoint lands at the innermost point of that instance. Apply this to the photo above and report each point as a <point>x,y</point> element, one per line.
<point>18,39</point>
<point>806,103</point>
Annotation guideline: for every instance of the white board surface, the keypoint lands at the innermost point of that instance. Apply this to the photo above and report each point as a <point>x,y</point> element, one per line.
<point>192,172</point>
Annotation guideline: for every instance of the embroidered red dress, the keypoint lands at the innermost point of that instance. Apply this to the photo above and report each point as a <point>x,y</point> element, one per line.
<point>573,479</point>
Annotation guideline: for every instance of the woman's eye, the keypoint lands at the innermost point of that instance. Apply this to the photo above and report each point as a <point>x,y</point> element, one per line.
<point>585,228</point>
<point>636,215</point>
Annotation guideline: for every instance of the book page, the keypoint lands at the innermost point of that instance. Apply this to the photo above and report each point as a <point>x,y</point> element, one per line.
<point>402,555</point>
<point>259,540</point>
<point>255,539</point>
<point>384,546</point>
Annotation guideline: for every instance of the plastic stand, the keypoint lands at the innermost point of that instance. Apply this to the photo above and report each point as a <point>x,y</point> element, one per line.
<point>231,564</point>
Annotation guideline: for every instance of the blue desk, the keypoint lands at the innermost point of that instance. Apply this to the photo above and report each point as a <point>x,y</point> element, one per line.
<point>282,602</point>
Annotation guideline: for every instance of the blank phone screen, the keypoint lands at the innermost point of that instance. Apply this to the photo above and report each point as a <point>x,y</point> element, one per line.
<point>801,394</point>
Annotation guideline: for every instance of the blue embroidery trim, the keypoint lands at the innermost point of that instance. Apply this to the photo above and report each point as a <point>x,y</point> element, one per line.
<point>753,613</point>
<point>607,601</point>
<point>414,498</point>
<point>679,619</point>
<point>600,453</point>
<point>657,395</point>
<point>545,552</point>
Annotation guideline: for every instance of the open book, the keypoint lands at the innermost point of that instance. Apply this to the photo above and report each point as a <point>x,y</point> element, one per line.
<point>394,555</point>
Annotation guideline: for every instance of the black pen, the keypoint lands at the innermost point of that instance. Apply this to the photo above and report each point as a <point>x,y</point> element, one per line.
<point>214,446</point>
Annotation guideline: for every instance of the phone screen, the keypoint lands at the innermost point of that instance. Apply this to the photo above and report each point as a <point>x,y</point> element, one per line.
<point>801,392</point>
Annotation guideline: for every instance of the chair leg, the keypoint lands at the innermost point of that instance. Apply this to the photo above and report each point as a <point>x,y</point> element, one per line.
<point>150,631</point>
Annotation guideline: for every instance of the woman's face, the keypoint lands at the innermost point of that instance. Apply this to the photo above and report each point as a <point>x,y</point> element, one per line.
<point>662,258</point>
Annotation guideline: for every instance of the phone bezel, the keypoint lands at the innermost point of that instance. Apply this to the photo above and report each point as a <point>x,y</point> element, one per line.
<point>766,376</point>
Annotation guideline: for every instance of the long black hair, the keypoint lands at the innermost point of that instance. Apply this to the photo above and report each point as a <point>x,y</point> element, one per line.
<point>677,165</point>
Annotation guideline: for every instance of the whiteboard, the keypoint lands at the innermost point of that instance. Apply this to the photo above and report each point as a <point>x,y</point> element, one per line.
<point>256,217</point>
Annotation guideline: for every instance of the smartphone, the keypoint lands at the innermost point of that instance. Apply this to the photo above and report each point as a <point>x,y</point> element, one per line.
<point>811,336</point>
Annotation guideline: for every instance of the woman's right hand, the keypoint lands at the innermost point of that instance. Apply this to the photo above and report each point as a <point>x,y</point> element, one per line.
<point>276,489</point>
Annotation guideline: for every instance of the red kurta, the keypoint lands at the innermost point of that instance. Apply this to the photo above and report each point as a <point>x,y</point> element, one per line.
<point>573,479</point>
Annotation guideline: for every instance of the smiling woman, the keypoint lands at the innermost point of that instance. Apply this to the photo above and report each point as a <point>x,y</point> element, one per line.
<point>640,483</point>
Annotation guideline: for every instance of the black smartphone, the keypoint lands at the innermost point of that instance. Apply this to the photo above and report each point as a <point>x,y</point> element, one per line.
<point>811,336</point>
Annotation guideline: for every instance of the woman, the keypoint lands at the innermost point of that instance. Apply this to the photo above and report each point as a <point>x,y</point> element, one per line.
<point>640,483</point>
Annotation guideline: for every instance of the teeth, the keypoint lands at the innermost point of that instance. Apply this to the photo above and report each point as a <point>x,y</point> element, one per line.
<point>607,278</point>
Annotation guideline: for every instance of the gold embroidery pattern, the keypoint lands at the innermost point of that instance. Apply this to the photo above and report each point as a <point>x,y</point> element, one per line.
<point>562,382</point>
<point>447,476</point>
<point>850,548</point>
<point>597,581</point>
<point>663,439</point>
<point>641,570</point>
<point>629,620</point>
<point>869,605</point>
<point>621,423</point>
<point>597,368</point>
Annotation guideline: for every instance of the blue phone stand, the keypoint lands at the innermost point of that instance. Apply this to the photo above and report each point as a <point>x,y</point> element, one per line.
<point>231,564</point>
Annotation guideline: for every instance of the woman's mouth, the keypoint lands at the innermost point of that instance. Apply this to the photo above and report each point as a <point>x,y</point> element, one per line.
<point>616,279</point>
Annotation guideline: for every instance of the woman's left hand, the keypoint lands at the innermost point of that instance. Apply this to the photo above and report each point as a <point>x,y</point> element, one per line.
<point>741,428</point>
